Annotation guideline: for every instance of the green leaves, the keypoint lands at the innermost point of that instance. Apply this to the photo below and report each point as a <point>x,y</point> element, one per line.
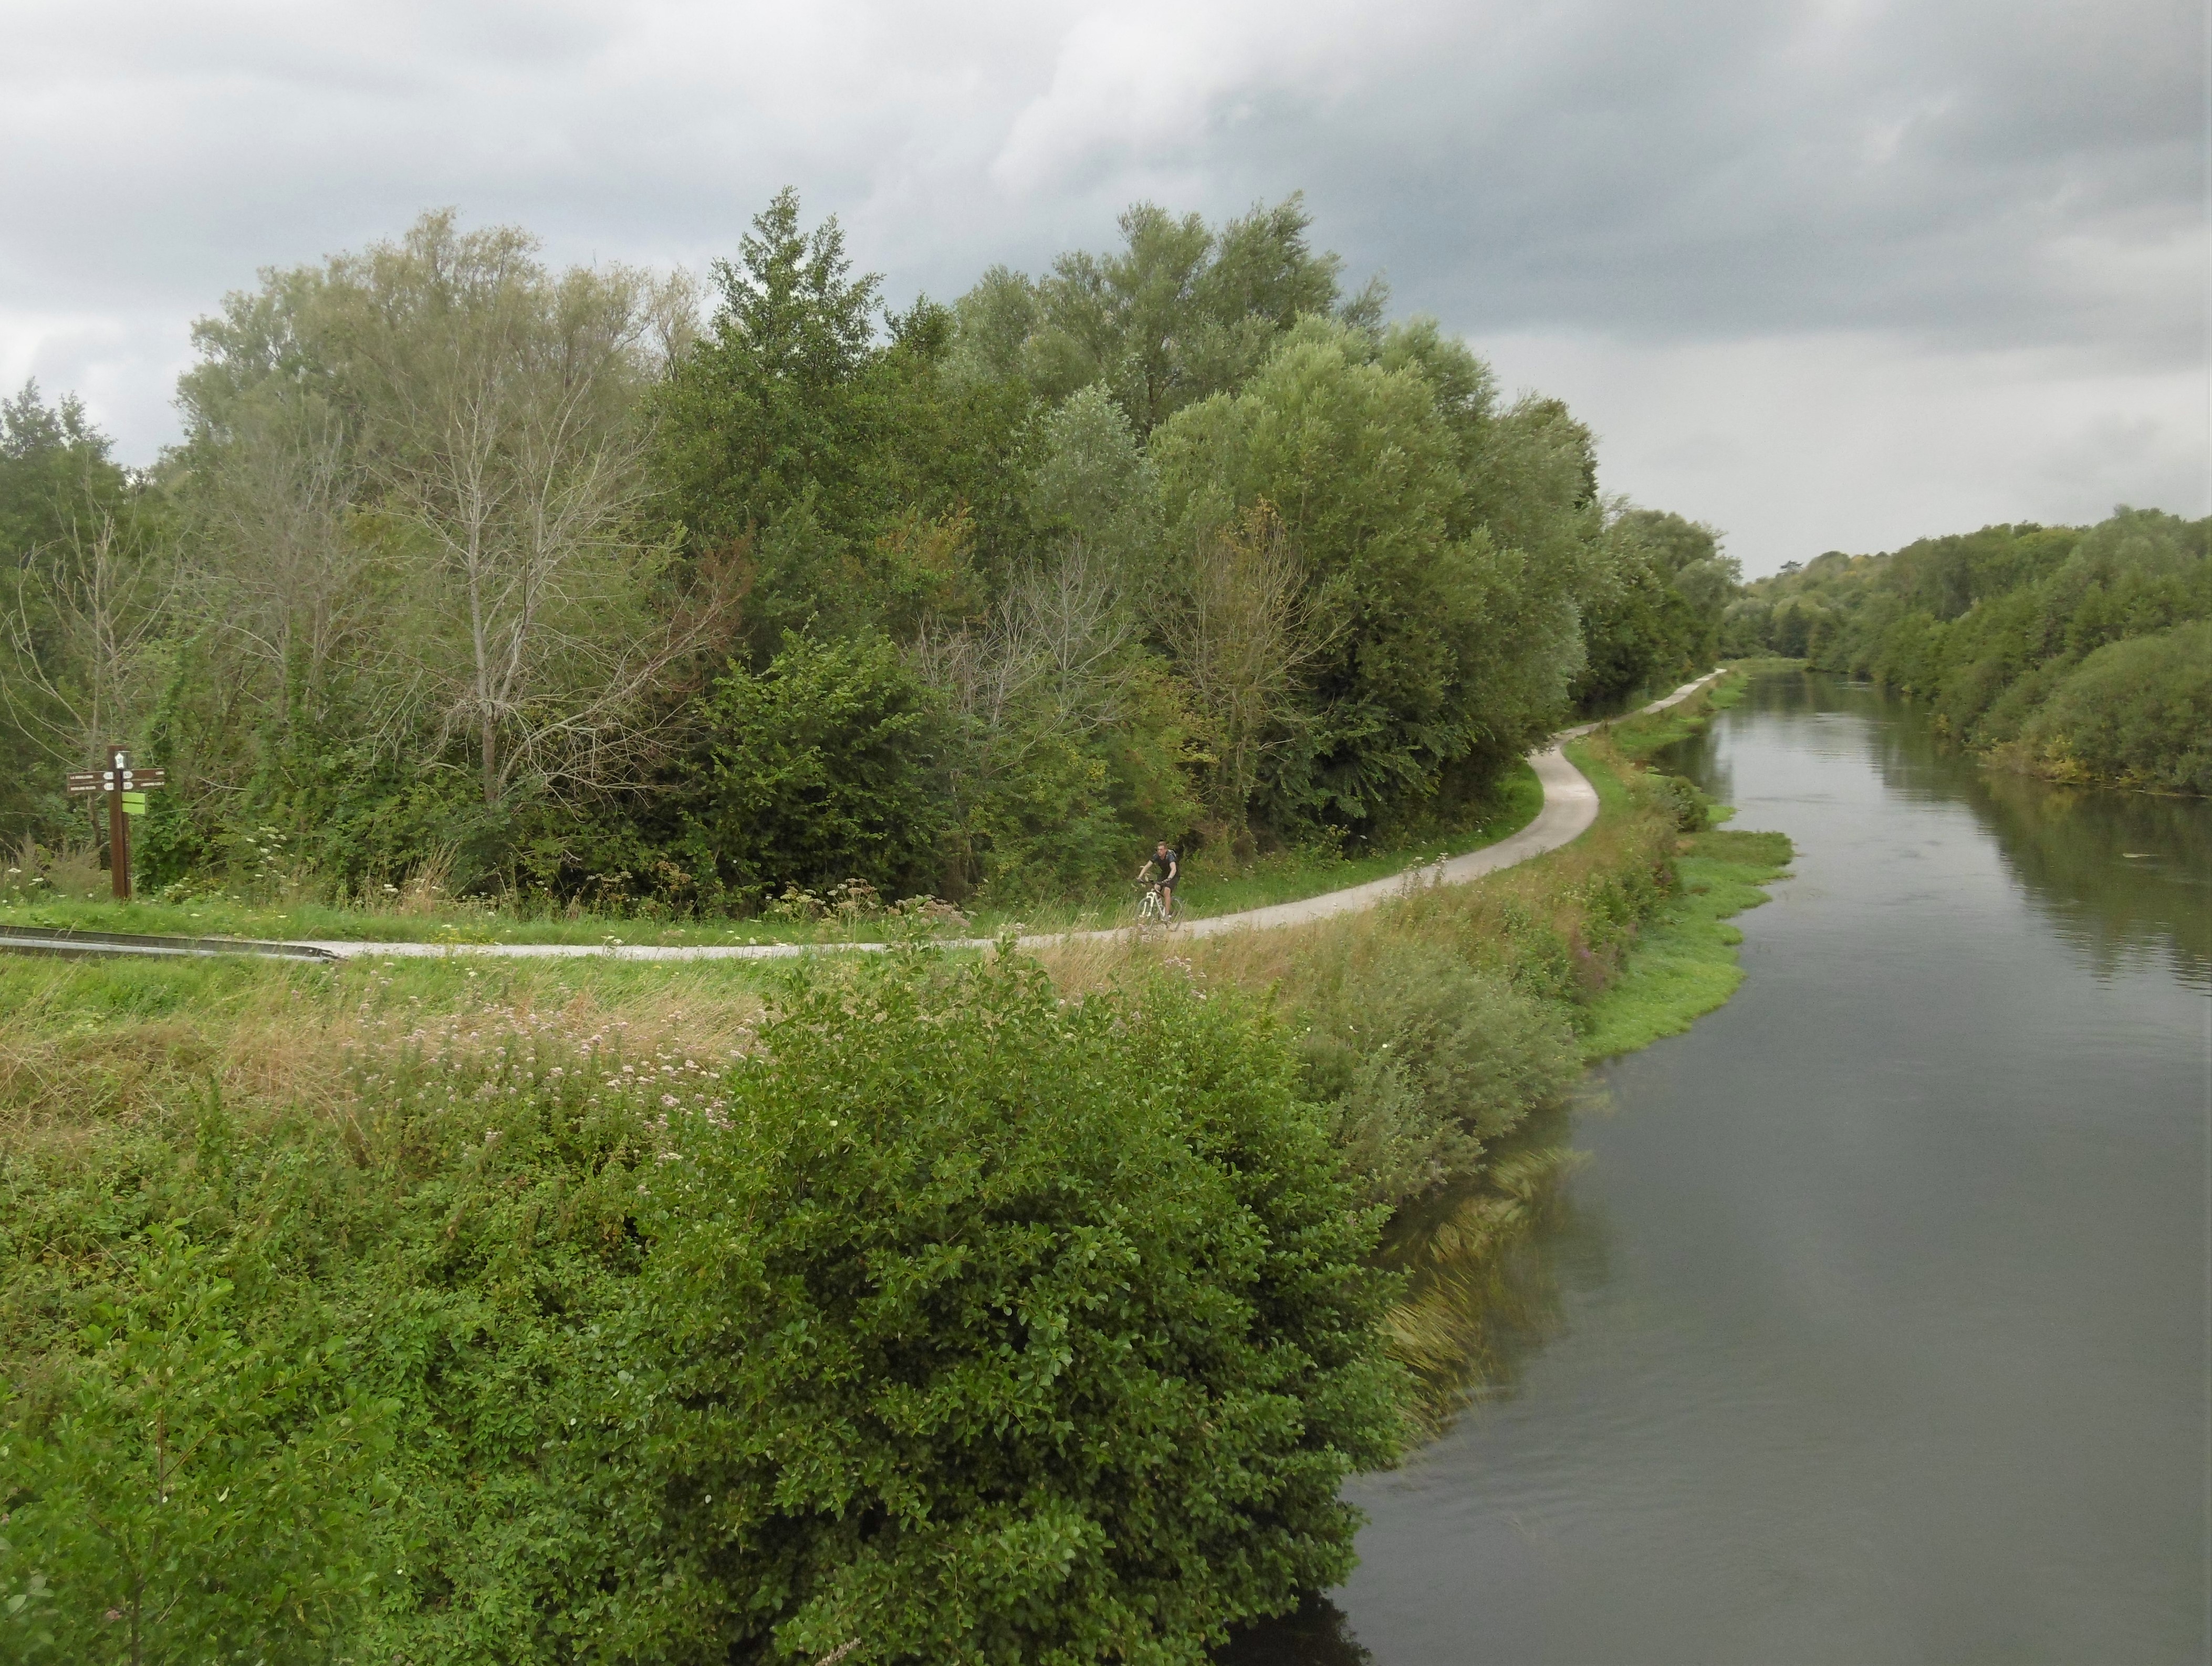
<point>1000,1329</point>
<point>2070,652</point>
<point>950,1321</point>
<point>1449,650</point>
<point>823,770</point>
<point>189,1495</point>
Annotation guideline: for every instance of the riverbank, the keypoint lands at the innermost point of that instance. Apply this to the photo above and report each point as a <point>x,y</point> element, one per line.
<point>1776,1376</point>
<point>1440,1024</point>
<point>433,1164</point>
<point>1474,1296</point>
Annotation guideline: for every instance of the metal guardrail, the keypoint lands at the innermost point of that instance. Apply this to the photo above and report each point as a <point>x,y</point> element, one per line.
<point>42,939</point>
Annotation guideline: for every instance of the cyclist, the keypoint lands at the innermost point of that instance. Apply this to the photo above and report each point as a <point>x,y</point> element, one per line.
<point>1169,869</point>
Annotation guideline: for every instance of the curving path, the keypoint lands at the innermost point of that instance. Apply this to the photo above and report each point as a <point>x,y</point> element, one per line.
<point>1570,807</point>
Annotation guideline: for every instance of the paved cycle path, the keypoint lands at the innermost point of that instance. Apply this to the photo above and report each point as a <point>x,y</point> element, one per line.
<point>1570,807</point>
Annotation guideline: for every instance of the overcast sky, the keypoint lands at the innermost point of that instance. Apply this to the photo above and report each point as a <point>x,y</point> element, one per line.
<point>1826,275</point>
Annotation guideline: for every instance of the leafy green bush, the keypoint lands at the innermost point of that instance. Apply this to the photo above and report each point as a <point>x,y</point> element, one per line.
<point>1426,1059</point>
<point>2137,712</point>
<point>186,1494</point>
<point>951,1319</point>
<point>1692,809</point>
<point>823,770</point>
<point>985,1327</point>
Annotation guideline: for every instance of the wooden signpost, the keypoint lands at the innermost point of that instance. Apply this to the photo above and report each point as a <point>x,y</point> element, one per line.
<point>126,788</point>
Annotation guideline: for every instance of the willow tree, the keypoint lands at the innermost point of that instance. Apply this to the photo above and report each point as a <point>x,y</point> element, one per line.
<point>1452,632</point>
<point>1244,629</point>
<point>432,451</point>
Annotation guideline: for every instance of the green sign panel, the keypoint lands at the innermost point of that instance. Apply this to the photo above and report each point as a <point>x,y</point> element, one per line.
<point>134,803</point>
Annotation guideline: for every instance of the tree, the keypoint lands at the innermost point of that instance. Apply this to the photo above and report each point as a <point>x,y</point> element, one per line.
<point>52,462</point>
<point>1181,311</point>
<point>467,426</point>
<point>822,456</point>
<point>1658,613</point>
<point>80,641</point>
<point>69,517</point>
<point>1242,627</point>
<point>500,400</point>
<point>1070,739</point>
<point>1094,483</point>
<point>1449,653</point>
<point>773,407</point>
<point>822,768</point>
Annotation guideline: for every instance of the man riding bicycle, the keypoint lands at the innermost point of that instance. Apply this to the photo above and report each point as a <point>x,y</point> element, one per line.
<point>1163,871</point>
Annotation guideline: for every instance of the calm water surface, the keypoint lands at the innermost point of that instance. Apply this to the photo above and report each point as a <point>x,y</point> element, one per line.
<point>1877,1329</point>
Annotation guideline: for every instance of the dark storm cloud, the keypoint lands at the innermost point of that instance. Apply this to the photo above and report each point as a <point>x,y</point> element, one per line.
<point>1603,183</point>
<point>1983,174</point>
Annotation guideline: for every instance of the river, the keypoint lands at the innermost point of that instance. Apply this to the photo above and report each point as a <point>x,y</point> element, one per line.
<point>1876,1327</point>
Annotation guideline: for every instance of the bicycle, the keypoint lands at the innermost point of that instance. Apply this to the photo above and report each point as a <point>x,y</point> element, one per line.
<point>1149,911</point>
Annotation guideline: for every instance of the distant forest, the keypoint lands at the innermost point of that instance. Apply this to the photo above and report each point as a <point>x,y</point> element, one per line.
<point>592,584</point>
<point>2081,654</point>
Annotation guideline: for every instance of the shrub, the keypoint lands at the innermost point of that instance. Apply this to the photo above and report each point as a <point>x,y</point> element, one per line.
<point>187,1493</point>
<point>952,1319</point>
<point>985,1327</point>
<point>1684,799</point>
<point>2137,712</point>
<point>1425,1059</point>
<point>823,770</point>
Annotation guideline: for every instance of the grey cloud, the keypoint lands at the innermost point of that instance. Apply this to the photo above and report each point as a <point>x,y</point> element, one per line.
<point>1949,177</point>
<point>1980,183</point>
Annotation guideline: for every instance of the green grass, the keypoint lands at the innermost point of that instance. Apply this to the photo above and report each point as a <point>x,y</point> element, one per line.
<point>75,996</point>
<point>1685,962</point>
<point>1208,889</point>
<point>1292,876</point>
<point>229,916</point>
<point>1639,737</point>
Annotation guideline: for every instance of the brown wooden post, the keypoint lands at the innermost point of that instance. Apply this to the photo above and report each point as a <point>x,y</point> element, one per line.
<point>119,824</point>
<point>115,777</point>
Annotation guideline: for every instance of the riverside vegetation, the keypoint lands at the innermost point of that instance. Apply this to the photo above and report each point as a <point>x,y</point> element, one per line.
<point>924,1308</point>
<point>479,580</point>
<point>2083,654</point>
<point>942,1307</point>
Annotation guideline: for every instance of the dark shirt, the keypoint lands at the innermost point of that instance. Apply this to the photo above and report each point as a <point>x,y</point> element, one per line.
<point>1168,867</point>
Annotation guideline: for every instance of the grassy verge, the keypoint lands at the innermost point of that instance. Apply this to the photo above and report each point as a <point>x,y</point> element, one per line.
<point>1685,963</point>
<point>114,1051</point>
<point>1213,886</point>
<point>1618,959</point>
<point>309,921</point>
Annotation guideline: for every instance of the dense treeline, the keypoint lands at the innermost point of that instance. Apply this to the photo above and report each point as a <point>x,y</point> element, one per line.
<point>537,580</point>
<point>2083,654</point>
